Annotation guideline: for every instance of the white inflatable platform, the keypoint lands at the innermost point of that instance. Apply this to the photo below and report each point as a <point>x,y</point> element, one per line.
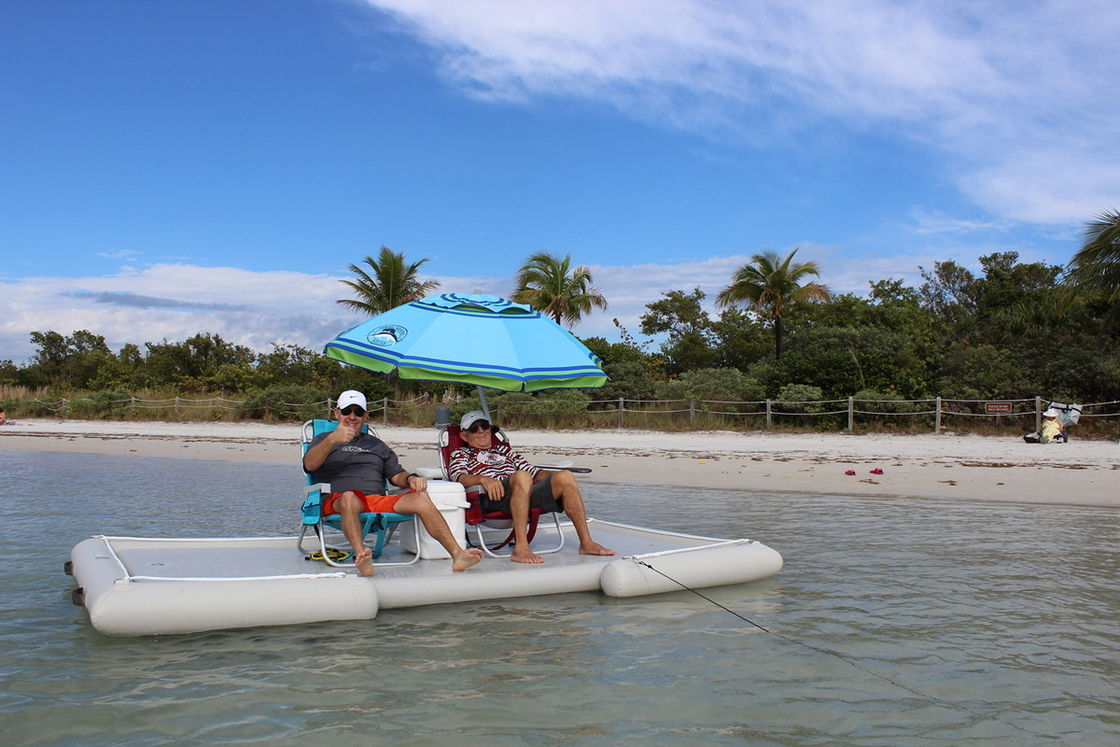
<point>152,586</point>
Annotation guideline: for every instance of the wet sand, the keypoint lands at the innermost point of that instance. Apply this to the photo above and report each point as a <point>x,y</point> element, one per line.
<point>966,467</point>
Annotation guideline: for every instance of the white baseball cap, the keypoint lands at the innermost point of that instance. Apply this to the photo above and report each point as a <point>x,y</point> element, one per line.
<point>351,397</point>
<point>469,419</point>
<point>1051,413</point>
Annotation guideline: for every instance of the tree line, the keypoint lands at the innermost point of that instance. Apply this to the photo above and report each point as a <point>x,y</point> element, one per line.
<point>1014,330</point>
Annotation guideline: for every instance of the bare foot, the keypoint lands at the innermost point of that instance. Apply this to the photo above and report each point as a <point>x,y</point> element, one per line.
<point>364,562</point>
<point>464,559</point>
<point>525,556</point>
<point>594,548</point>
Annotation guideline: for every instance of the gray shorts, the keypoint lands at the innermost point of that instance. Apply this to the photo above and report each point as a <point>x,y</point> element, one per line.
<point>540,496</point>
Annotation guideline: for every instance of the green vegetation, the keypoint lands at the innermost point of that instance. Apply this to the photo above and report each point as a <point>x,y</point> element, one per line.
<point>390,282</point>
<point>769,284</point>
<point>1015,331</point>
<point>552,286</point>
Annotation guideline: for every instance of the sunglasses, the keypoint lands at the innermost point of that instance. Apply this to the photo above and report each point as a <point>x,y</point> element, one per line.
<point>482,425</point>
<point>353,410</point>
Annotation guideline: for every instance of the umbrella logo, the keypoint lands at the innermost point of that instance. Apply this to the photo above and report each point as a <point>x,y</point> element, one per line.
<point>387,335</point>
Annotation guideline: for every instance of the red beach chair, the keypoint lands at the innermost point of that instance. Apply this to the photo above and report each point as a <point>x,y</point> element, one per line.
<point>449,440</point>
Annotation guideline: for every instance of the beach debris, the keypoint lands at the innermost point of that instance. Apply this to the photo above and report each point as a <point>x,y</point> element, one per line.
<point>877,471</point>
<point>850,472</point>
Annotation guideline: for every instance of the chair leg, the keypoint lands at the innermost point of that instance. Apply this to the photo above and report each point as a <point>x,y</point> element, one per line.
<point>370,524</point>
<point>482,543</point>
<point>322,532</point>
<point>490,550</point>
<point>299,542</point>
<point>382,540</point>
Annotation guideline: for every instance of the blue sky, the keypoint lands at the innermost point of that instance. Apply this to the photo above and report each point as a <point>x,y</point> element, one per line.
<point>177,166</point>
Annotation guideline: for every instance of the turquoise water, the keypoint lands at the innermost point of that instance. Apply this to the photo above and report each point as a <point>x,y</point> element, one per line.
<point>957,623</point>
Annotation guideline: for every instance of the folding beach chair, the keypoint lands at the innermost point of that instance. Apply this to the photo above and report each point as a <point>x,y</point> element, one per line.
<point>449,441</point>
<point>383,525</point>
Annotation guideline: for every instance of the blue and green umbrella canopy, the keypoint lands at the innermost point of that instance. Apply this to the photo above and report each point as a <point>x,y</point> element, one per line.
<point>470,339</point>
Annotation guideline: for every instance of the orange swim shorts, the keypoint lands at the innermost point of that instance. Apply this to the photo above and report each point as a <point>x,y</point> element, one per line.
<point>375,504</point>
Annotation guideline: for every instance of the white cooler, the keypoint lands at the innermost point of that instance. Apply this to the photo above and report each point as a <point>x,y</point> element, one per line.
<point>451,500</point>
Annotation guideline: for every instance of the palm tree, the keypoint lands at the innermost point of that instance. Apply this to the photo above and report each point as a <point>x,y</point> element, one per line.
<point>550,285</point>
<point>1096,266</point>
<point>769,284</point>
<point>390,283</point>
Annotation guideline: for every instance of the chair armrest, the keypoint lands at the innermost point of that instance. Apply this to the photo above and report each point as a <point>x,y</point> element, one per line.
<point>563,465</point>
<point>313,502</point>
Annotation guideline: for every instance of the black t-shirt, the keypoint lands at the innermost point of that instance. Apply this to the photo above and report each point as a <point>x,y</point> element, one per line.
<point>365,464</point>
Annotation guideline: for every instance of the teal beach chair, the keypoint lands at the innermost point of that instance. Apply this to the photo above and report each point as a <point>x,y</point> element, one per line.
<point>382,525</point>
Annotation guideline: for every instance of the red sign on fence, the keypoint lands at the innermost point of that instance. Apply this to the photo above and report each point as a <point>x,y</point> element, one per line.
<point>997,408</point>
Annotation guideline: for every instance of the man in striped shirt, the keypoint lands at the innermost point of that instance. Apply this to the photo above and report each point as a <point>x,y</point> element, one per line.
<point>513,485</point>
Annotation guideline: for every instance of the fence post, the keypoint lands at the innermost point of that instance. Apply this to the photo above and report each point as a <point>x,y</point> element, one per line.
<point>176,405</point>
<point>620,412</point>
<point>851,414</point>
<point>1037,413</point>
<point>937,417</point>
<point>691,411</point>
<point>769,418</point>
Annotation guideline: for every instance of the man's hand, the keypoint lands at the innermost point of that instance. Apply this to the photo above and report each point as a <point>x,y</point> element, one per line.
<point>494,488</point>
<point>415,482</point>
<point>343,434</point>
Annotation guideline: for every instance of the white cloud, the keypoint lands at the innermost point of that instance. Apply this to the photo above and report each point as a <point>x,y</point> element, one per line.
<point>927,222</point>
<point>1015,94</point>
<point>174,301</point>
<point>257,309</point>
<point>120,254</point>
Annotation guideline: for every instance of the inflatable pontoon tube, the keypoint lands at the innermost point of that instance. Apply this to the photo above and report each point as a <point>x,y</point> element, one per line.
<point>731,562</point>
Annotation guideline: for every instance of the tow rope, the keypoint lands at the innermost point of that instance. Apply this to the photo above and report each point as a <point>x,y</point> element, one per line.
<point>849,662</point>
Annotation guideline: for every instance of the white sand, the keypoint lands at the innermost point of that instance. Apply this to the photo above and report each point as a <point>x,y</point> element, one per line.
<point>967,467</point>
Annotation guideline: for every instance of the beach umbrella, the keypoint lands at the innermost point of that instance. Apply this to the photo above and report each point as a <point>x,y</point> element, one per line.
<point>470,339</point>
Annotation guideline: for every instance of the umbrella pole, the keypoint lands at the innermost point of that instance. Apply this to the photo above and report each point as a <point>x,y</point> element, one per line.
<point>485,404</point>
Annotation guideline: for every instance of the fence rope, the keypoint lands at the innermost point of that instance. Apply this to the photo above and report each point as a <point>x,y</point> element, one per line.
<point>618,407</point>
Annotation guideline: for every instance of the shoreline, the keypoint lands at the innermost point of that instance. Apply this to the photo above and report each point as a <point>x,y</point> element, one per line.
<point>978,468</point>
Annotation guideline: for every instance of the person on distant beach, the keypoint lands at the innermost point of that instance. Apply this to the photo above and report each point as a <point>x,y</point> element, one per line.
<point>3,417</point>
<point>513,485</point>
<point>1052,431</point>
<point>1052,427</point>
<point>357,466</point>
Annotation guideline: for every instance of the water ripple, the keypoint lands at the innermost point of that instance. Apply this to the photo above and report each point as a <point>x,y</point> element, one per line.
<point>952,623</point>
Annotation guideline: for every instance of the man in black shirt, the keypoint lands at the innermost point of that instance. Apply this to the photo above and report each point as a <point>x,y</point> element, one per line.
<point>358,466</point>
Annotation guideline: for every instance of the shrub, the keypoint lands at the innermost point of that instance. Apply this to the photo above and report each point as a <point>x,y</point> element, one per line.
<point>800,398</point>
<point>288,403</point>
<point>103,404</point>
<point>873,401</point>
<point>544,404</point>
<point>627,379</point>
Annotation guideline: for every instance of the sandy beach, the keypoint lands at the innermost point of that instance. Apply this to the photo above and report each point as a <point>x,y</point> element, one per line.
<point>964,467</point>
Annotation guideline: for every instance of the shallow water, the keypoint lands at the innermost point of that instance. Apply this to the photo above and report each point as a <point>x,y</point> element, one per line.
<point>956,622</point>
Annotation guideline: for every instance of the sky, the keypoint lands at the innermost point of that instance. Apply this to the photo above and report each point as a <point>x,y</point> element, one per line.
<point>175,167</point>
